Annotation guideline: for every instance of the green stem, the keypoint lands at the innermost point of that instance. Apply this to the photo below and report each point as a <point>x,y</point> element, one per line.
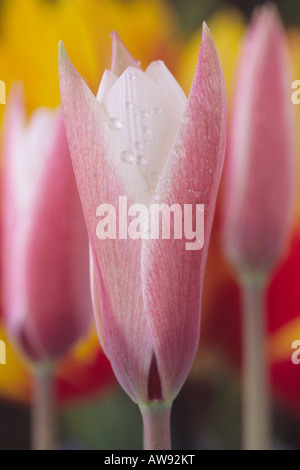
<point>256,395</point>
<point>156,420</point>
<point>43,410</point>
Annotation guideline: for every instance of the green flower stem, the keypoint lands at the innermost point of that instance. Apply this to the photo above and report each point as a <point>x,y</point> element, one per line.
<point>43,409</point>
<point>256,395</point>
<point>156,420</point>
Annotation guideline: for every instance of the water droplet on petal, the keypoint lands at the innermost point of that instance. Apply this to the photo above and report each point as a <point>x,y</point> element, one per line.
<point>126,156</point>
<point>130,75</point>
<point>146,131</point>
<point>115,123</point>
<point>156,110</point>
<point>156,197</point>
<point>140,160</point>
<point>128,105</point>
<point>154,175</point>
<point>138,145</point>
<point>144,114</point>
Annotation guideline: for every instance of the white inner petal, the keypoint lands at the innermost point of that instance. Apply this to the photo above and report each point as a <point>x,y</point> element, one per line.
<point>168,84</point>
<point>146,120</point>
<point>31,151</point>
<point>107,81</point>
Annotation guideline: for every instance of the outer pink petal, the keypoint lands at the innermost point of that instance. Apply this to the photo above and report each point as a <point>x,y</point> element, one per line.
<point>45,260</point>
<point>117,262</point>
<point>172,276</point>
<point>259,181</point>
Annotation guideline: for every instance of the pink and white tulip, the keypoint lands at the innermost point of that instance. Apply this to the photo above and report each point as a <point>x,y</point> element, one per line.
<point>260,174</point>
<point>45,260</point>
<point>140,137</point>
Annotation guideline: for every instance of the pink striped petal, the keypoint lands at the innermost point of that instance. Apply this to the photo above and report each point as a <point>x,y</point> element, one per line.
<point>95,150</point>
<point>172,276</point>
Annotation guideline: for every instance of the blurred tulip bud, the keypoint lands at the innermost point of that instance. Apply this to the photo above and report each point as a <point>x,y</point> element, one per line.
<point>46,295</point>
<point>260,169</point>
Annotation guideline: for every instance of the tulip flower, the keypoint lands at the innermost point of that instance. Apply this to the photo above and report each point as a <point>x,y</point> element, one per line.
<point>46,296</point>
<point>141,138</point>
<point>259,194</point>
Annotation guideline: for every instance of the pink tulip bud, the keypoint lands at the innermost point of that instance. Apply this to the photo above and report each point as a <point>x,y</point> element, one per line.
<point>259,184</point>
<point>141,138</point>
<point>46,294</point>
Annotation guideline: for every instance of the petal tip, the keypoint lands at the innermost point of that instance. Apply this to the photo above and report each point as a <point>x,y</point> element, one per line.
<point>61,48</point>
<point>121,57</point>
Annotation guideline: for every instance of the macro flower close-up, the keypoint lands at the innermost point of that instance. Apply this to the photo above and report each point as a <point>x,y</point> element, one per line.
<point>150,243</point>
<point>142,139</point>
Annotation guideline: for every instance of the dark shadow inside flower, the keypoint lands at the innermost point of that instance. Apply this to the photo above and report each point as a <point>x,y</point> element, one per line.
<point>154,383</point>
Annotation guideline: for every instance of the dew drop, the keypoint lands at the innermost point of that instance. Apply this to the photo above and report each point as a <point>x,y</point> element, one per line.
<point>130,76</point>
<point>140,160</point>
<point>146,131</point>
<point>178,149</point>
<point>128,105</point>
<point>126,156</point>
<point>138,145</point>
<point>156,197</point>
<point>114,123</point>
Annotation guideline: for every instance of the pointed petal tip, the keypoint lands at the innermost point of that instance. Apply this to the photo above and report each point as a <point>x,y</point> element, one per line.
<point>206,35</point>
<point>205,27</point>
<point>121,57</point>
<point>268,9</point>
<point>115,35</point>
<point>267,17</point>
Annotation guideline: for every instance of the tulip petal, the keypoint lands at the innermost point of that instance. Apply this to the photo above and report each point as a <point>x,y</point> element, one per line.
<point>108,79</point>
<point>148,123</point>
<point>171,275</point>
<point>166,81</point>
<point>97,304</point>
<point>117,262</point>
<point>121,57</point>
